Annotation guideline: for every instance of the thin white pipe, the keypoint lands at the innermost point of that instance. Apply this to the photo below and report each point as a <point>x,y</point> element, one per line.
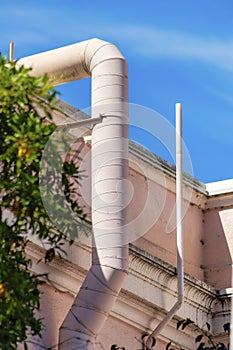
<point>73,125</point>
<point>179,229</point>
<point>11,54</point>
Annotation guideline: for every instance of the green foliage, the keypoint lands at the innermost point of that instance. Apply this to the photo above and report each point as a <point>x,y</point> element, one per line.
<point>26,104</point>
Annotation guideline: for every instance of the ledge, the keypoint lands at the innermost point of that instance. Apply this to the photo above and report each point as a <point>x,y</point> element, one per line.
<point>220,187</point>
<point>137,150</point>
<point>167,168</point>
<point>209,189</point>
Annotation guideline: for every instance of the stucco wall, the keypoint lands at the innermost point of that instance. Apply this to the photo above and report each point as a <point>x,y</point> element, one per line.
<point>150,288</point>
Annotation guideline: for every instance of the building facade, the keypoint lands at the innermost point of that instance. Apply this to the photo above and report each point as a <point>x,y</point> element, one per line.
<point>150,287</point>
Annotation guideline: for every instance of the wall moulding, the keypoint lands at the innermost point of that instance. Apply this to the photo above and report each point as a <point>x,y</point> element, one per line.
<point>147,293</point>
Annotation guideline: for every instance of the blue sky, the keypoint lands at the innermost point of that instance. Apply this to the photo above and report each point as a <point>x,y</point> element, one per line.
<point>177,50</point>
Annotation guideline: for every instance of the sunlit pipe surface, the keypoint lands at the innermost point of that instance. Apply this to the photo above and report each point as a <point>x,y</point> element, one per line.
<point>108,69</point>
<point>179,229</point>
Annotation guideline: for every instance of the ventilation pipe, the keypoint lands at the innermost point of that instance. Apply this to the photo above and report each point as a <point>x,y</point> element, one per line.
<point>179,231</point>
<point>108,69</point>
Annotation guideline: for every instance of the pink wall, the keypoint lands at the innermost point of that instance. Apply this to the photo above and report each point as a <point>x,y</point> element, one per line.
<point>218,247</point>
<point>208,248</point>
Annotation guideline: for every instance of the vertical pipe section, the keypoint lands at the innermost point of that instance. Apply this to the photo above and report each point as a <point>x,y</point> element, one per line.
<point>179,204</point>
<point>11,54</point>
<point>109,171</point>
<point>179,230</point>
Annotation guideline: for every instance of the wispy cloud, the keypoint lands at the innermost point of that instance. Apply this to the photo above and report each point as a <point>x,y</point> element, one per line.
<point>35,25</point>
<point>153,42</point>
<point>220,94</point>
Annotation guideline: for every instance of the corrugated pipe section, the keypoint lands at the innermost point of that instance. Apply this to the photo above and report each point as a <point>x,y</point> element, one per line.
<point>108,69</point>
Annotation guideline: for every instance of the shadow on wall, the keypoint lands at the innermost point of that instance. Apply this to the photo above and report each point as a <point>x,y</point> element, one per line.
<point>218,247</point>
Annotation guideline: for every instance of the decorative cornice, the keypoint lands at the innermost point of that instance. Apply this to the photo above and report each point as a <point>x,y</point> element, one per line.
<point>149,290</point>
<point>209,190</point>
<point>163,276</point>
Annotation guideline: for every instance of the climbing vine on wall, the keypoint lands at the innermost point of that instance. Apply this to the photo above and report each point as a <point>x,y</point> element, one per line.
<point>203,341</point>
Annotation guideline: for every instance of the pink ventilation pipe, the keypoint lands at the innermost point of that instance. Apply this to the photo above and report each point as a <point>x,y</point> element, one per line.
<point>108,69</point>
